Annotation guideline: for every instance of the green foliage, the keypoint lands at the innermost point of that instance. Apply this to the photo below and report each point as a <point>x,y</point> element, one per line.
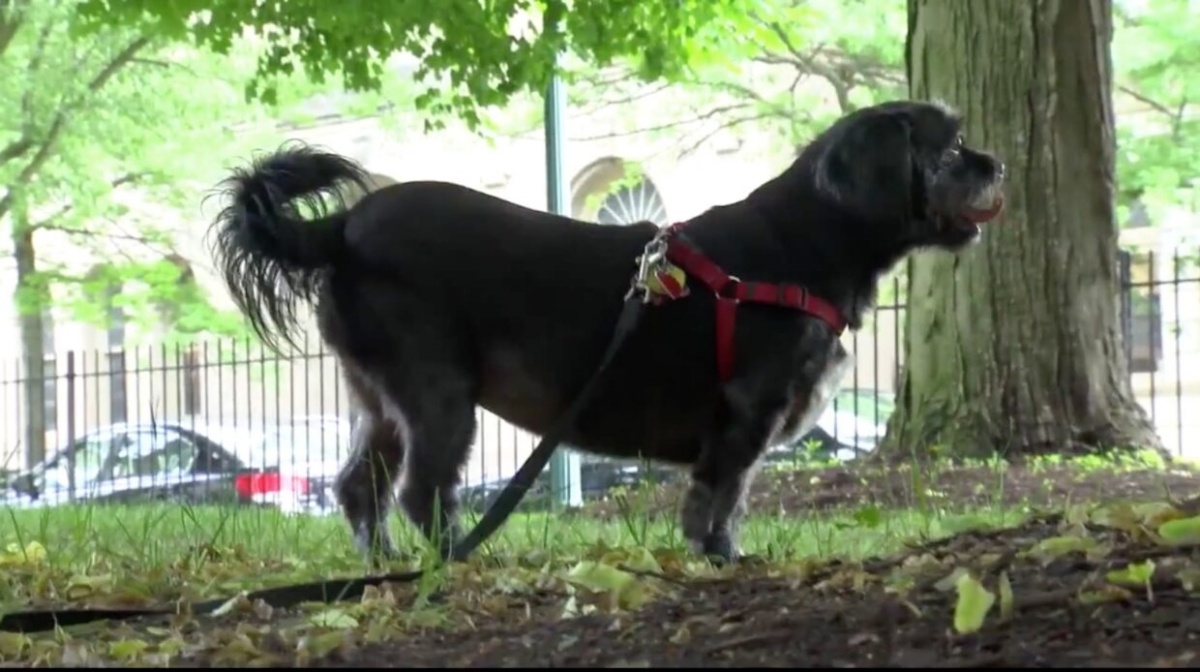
<point>1156,54</point>
<point>793,68</point>
<point>109,142</point>
<point>466,54</point>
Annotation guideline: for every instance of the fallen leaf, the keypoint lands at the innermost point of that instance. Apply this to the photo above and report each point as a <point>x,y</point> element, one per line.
<point>127,649</point>
<point>642,560</point>
<point>1156,514</point>
<point>1048,550</point>
<point>1004,587</point>
<point>625,589</point>
<point>682,636</point>
<point>81,587</point>
<point>1135,575</point>
<point>333,618</point>
<point>950,582</point>
<point>33,554</point>
<point>1181,531</point>
<point>972,606</point>
<point>13,644</point>
<point>237,604</point>
<point>1104,594</point>
<point>75,654</point>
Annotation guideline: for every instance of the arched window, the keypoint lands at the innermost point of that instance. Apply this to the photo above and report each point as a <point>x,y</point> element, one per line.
<point>628,204</point>
<point>610,191</point>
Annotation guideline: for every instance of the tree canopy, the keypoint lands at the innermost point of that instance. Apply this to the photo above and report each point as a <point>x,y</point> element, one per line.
<point>466,54</point>
<point>1156,54</point>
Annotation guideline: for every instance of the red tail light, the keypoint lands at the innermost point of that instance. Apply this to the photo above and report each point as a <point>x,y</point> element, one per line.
<point>265,483</point>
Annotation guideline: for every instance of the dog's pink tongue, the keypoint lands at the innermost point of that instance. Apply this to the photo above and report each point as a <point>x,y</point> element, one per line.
<point>981,216</point>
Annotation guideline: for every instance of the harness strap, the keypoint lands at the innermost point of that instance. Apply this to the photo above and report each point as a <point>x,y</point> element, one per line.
<point>731,291</point>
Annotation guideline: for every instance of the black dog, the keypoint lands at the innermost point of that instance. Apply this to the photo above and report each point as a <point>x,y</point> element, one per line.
<point>437,298</point>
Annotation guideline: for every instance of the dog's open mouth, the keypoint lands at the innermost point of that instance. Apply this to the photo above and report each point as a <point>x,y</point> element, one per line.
<point>986,206</point>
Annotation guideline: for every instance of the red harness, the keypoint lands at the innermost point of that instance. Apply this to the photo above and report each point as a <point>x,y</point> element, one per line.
<point>731,291</point>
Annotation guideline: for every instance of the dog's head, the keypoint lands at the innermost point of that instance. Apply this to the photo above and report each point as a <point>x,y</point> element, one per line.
<point>904,169</point>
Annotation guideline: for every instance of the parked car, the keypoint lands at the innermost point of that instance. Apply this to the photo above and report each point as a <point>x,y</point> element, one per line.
<point>598,476</point>
<point>316,447</point>
<point>851,427</point>
<point>184,462</point>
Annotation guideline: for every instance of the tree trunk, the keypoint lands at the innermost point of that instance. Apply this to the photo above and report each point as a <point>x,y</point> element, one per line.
<point>30,303</point>
<point>1013,346</point>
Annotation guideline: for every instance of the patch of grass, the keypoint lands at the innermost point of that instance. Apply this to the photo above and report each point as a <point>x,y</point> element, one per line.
<point>158,554</point>
<point>154,554</point>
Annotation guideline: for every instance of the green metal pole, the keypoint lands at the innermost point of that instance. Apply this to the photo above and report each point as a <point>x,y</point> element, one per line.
<point>565,479</point>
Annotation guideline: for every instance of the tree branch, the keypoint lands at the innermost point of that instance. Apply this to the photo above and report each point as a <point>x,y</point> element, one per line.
<point>15,149</point>
<point>645,92</point>
<point>11,18</point>
<point>46,150</point>
<point>46,224</point>
<point>1177,121</point>
<point>712,112</point>
<point>734,123</point>
<point>1148,101</point>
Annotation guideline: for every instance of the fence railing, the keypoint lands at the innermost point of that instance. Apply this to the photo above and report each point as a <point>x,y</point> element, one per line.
<point>230,421</point>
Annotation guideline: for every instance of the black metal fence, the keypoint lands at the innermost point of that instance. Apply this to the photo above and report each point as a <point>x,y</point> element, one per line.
<point>231,422</point>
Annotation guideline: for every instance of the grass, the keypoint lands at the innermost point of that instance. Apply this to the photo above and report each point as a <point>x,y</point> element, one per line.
<point>159,553</point>
<point>156,554</point>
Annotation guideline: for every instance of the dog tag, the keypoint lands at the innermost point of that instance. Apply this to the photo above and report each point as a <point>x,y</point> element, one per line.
<point>667,280</point>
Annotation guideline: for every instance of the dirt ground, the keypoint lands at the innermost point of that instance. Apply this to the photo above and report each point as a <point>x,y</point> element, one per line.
<point>1064,613</point>
<point>1089,587</point>
<point>1039,487</point>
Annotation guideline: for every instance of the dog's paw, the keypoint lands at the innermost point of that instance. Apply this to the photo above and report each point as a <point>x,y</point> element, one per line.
<point>720,548</point>
<point>450,548</point>
<point>377,549</point>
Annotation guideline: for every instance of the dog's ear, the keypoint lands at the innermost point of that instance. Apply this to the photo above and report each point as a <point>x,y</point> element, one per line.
<point>869,167</point>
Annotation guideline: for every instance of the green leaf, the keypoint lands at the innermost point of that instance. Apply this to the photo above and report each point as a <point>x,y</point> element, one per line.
<point>127,649</point>
<point>1007,601</point>
<point>622,586</point>
<point>1134,575</point>
<point>13,644</point>
<point>972,606</point>
<point>334,618</point>
<point>1181,532</point>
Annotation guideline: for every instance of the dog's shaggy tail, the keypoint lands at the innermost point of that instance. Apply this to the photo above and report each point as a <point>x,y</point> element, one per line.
<point>281,232</point>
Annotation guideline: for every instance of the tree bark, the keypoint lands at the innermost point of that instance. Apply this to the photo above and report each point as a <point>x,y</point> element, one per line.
<point>1013,346</point>
<point>29,302</point>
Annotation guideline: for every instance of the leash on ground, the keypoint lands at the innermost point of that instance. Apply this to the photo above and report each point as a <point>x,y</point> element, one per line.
<point>337,590</point>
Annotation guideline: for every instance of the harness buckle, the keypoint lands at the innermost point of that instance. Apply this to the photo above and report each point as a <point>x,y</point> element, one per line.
<point>652,257</point>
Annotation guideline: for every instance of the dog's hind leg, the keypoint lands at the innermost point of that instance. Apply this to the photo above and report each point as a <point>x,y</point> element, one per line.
<point>443,429</point>
<point>433,401</point>
<point>365,484</point>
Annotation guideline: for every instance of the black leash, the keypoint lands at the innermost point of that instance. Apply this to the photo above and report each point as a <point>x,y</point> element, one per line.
<point>336,590</point>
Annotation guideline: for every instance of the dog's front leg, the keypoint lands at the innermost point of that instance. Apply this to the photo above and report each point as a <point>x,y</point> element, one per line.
<point>714,504</point>
<point>364,486</point>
